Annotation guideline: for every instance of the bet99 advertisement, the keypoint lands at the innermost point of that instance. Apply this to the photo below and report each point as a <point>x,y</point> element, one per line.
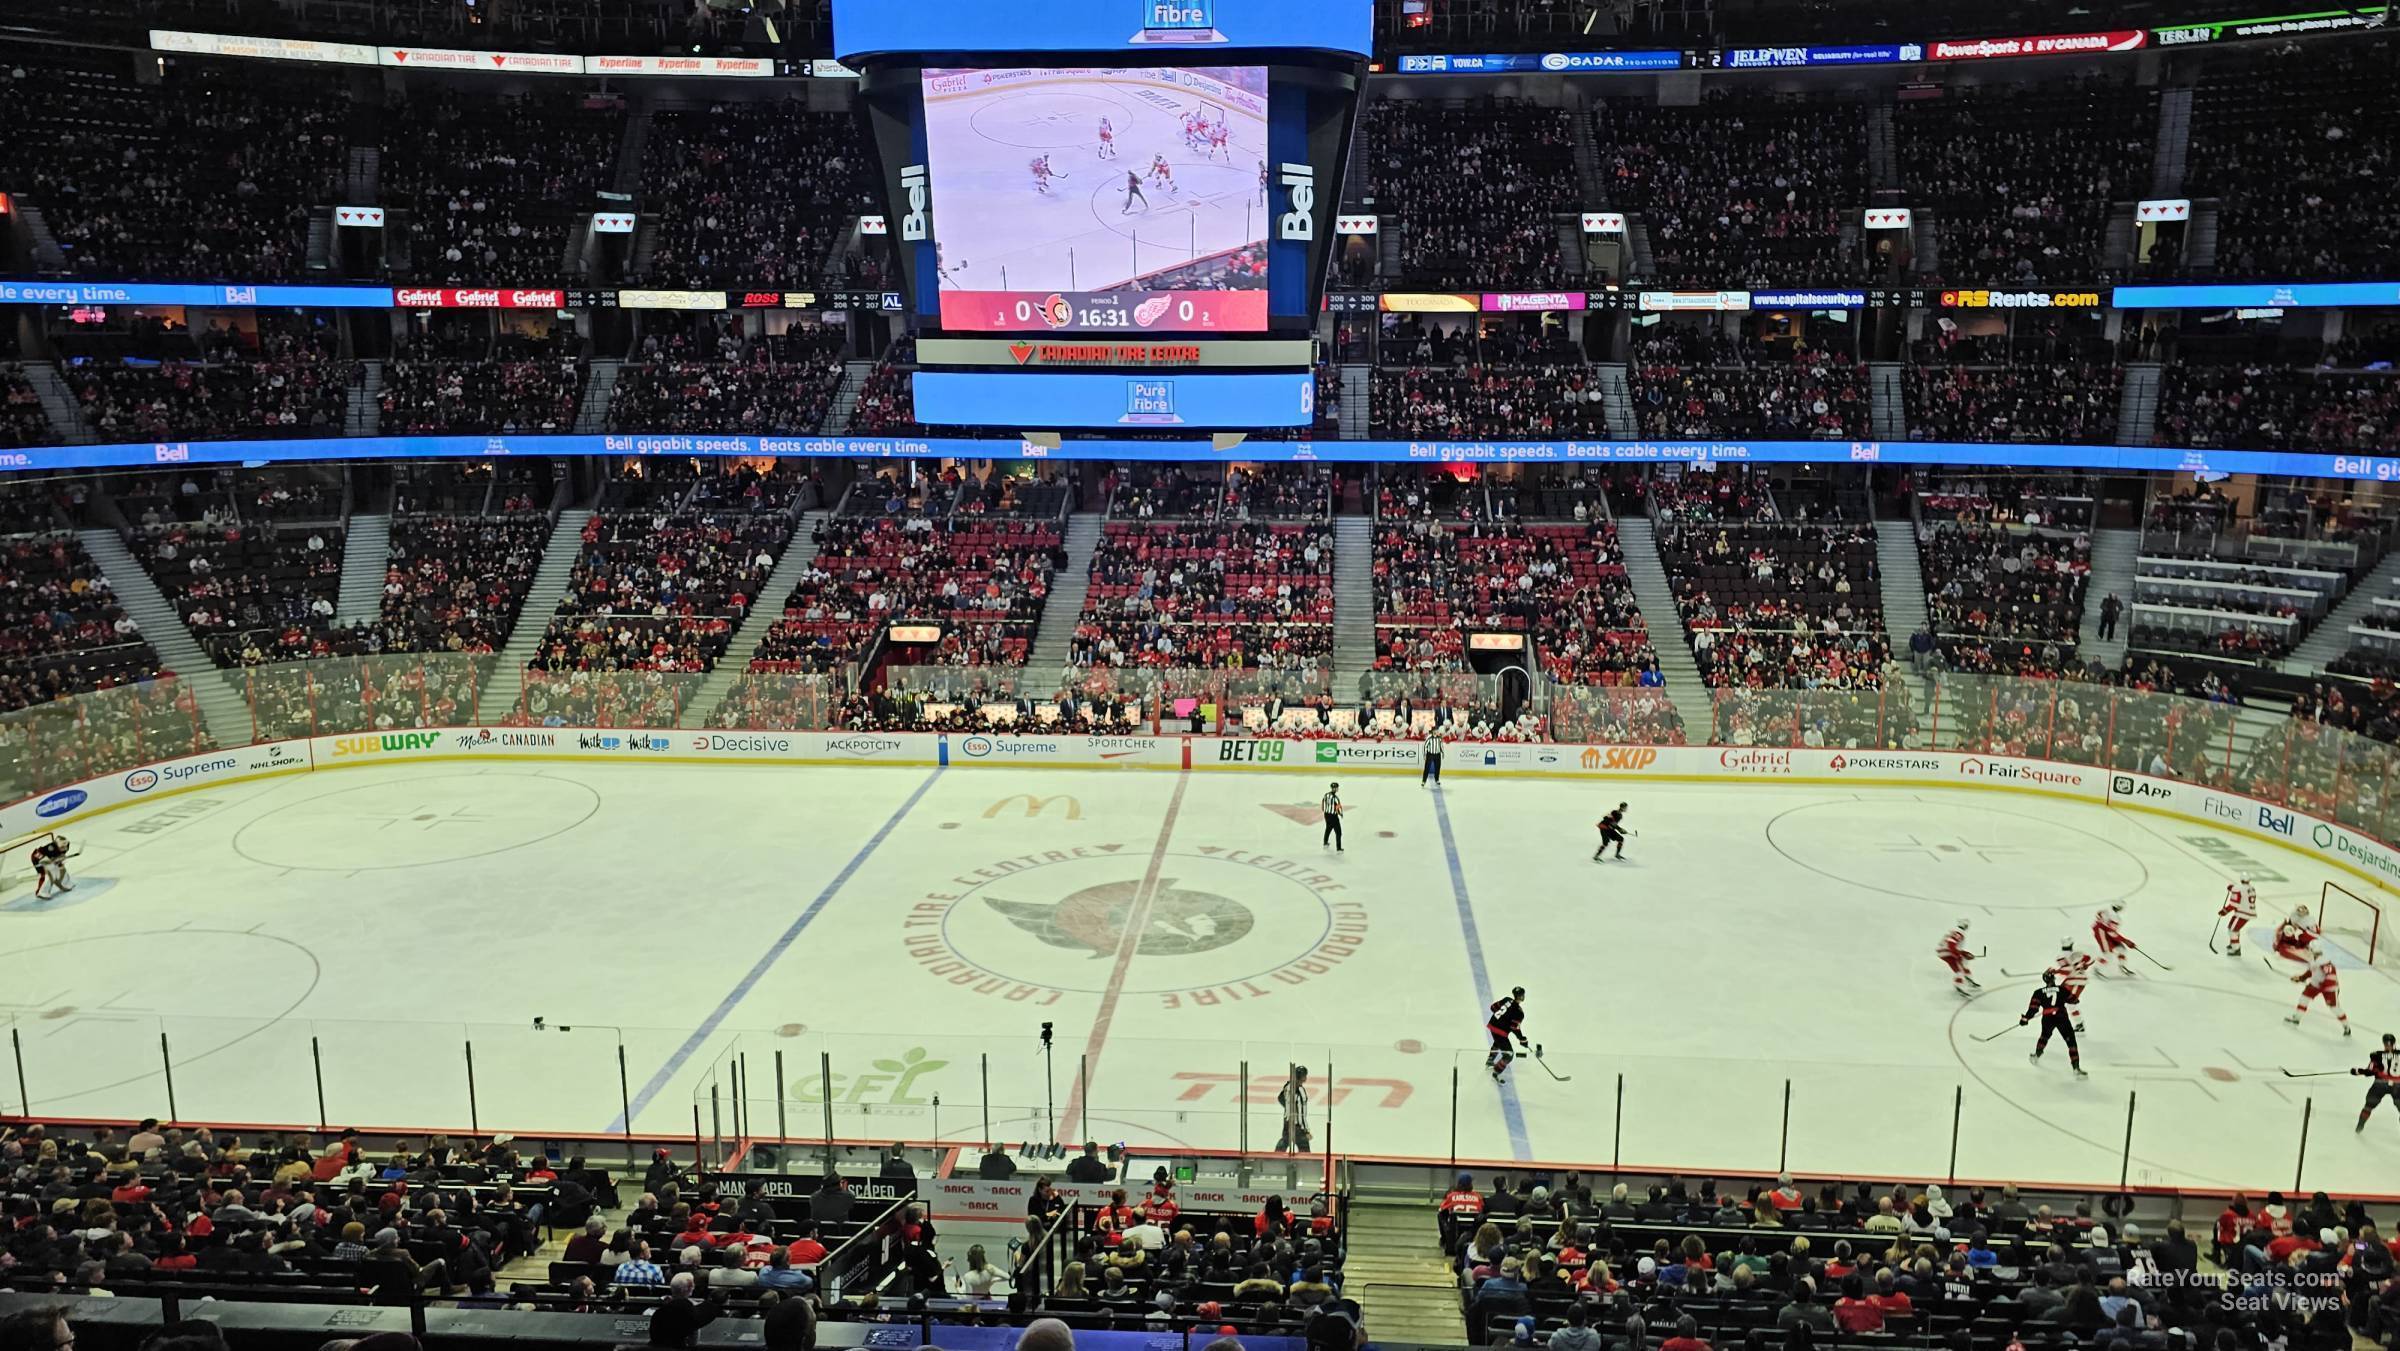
<point>1156,199</point>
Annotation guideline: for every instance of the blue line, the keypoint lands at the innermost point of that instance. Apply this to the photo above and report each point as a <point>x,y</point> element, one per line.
<point>741,989</point>
<point>1510,1109</point>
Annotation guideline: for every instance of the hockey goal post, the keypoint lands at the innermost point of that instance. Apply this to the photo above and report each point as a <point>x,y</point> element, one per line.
<point>16,860</point>
<point>2354,920</point>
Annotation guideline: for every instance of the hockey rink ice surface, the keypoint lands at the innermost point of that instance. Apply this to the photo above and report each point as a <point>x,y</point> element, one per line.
<point>919,925</point>
<point>1080,235</point>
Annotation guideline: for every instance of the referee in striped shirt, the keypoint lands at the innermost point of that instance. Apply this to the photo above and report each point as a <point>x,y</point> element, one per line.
<point>1433,758</point>
<point>1331,805</point>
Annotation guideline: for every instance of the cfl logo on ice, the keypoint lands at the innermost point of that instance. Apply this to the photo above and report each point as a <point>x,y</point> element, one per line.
<point>1300,183</point>
<point>920,200</point>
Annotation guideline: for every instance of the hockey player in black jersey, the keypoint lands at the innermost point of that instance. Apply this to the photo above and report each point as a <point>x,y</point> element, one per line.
<point>1506,1021</point>
<point>2057,1013</point>
<point>2384,1068</point>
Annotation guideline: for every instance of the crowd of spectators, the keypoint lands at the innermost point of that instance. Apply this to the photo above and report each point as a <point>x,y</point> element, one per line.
<point>749,194</point>
<point>1475,187</point>
<point>62,631</point>
<point>2021,179</point>
<point>2051,404</point>
<point>2294,141</point>
<point>456,583</point>
<point>1227,594</point>
<point>208,171</point>
<point>291,383</point>
<point>2004,591</point>
<point>884,406</point>
<point>1779,605</point>
<point>1549,1260</point>
<point>158,1203</point>
<point>1563,586</point>
<point>726,383</point>
<point>250,593</point>
<point>515,391</point>
<point>2260,407</point>
<point>660,591</point>
<point>494,183</point>
<point>22,420</point>
<point>983,579</point>
<point>1475,399</point>
<point>1800,393</point>
<point>1742,188</point>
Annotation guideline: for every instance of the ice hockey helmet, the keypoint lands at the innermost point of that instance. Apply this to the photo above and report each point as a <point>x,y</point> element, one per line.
<point>1517,993</point>
<point>2117,905</point>
<point>1962,926</point>
<point>2066,944</point>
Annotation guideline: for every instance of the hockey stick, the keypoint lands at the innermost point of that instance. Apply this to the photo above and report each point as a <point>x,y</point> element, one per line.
<point>2018,974</point>
<point>1569,1078</point>
<point>2153,960</point>
<point>2001,1033</point>
<point>2309,1074</point>
<point>2213,930</point>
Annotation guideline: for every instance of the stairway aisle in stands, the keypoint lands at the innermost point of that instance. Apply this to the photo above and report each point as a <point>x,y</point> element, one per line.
<point>218,693</point>
<point>363,416</point>
<point>2137,404</point>
<point>599,388</point>
<point>1616,400</point>
<point>2114,550</point>
<point>507,682</point>
<point>1353,601</point>
<point>1888,415</point>
<point>1357,419</point>
<point>1394,1268</point>
<point>59,404</point>
<point>1639,541</point>
<point>855,375</point>
<point>1903,569</point>
<point>798,553</point>
<point>366,552</point>
<point>1068,587</point>
<point>2332,636</point>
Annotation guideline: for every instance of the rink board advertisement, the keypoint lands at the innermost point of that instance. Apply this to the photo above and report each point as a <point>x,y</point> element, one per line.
<point>2329,843</point>
<point>63,808</point>
<point>2325,841</point>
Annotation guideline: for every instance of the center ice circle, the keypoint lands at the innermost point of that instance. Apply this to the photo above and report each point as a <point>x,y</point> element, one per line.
<point>411,821</point>
<point>1955,853</point>
<point>1209,919</point>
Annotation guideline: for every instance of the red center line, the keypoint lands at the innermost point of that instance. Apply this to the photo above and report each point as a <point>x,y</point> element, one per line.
<point>1137,919</point>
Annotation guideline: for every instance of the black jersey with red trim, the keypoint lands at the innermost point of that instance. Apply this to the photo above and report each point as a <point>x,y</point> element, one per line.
<point>2050,1001</point>
<point>1507,1016</point>
<point>2384,1066</point>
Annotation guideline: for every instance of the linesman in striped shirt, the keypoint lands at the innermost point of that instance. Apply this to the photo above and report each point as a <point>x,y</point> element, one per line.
<point>1331,804</point>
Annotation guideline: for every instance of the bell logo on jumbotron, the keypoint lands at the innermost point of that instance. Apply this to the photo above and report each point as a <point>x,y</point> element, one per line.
<point>920,201</point>
<point>1301,221</point>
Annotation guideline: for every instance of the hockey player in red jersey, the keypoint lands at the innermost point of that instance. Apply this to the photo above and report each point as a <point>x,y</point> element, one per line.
<point>2074,970</point>
<point>2240,907</point>
<point>2296,935</point>
<point>1952,951</point>
<point>2108,937</point>
<point>2320,981</point>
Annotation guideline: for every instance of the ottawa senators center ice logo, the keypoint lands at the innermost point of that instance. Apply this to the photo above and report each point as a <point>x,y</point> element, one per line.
<point>1181,923</point>
<point>1210,925</point>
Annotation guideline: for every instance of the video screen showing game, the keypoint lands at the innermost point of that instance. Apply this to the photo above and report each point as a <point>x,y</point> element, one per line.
<point>1100,200</point>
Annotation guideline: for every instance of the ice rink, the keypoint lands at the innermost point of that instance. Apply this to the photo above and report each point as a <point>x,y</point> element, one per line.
<point>918,926</point>
<point>1086,232</point>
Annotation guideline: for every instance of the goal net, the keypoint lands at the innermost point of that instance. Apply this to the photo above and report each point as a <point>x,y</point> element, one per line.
<point>2353,920</point>
<point>16,861</point>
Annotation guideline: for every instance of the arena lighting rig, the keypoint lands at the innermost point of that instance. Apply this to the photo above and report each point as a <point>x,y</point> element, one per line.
<point>1111,213</point>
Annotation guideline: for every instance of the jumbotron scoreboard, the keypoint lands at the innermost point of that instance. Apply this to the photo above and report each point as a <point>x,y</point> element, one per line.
<point>1111,213</point>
